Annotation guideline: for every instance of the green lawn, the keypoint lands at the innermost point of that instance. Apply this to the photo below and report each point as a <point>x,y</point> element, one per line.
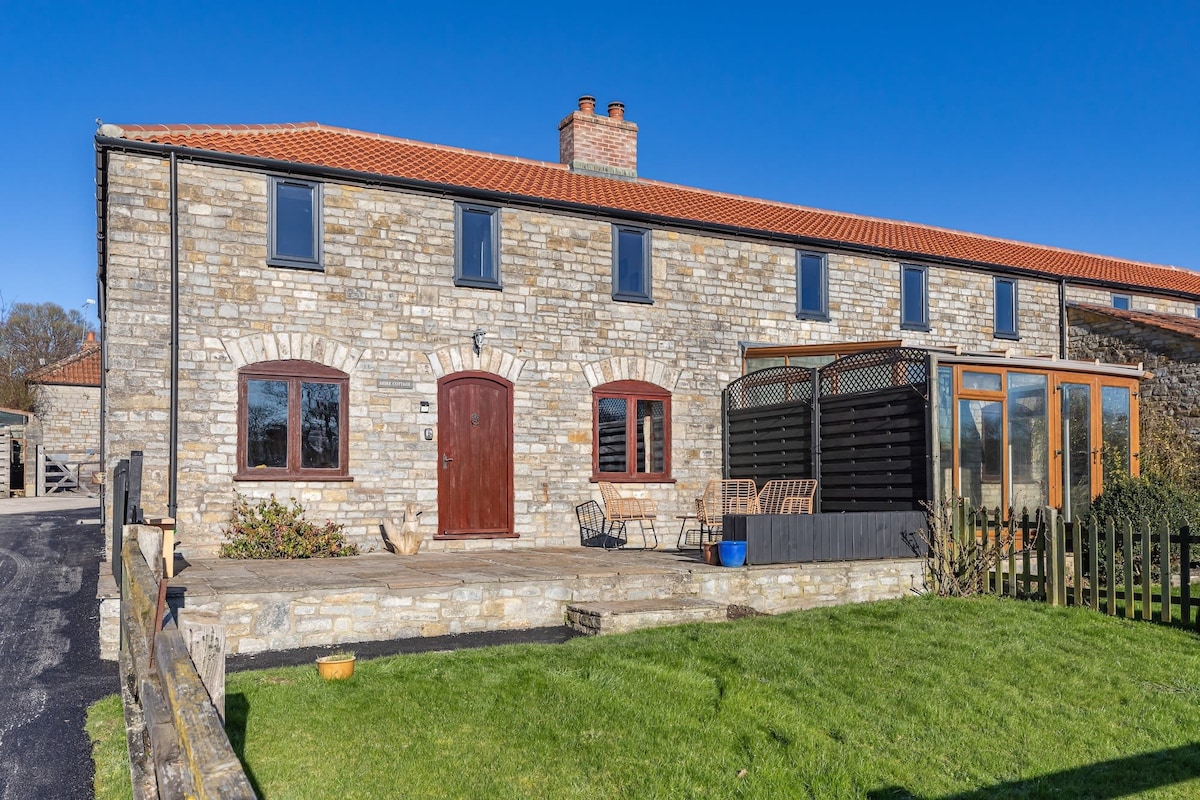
<point>923,697</point>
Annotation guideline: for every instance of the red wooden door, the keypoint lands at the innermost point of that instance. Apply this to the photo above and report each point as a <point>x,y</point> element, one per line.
<point>475,465</point>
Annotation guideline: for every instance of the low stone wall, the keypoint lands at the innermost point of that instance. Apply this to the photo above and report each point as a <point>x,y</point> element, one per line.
<point>285,620</point>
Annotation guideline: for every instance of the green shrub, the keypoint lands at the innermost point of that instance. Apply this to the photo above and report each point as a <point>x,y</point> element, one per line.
<point>270,529</point>
<point>1150,497</point>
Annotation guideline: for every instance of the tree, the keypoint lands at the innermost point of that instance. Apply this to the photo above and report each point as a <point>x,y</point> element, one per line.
<point>33,335</point>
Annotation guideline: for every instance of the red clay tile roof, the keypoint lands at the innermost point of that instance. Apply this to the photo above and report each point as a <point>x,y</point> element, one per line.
<point>1175,323</point>
<point>312,143</point>
<point>79,369</point>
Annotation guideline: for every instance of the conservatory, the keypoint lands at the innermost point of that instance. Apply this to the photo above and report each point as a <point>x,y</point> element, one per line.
<point>891,428</point>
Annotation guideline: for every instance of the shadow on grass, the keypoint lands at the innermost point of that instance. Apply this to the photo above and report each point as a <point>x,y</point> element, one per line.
<point>1105,780</point>
<point>237,712</point>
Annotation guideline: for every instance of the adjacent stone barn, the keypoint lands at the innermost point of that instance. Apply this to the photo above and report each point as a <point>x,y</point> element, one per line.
<point>1167,345</point>
<point>361,321</point>
<point>69,405</point>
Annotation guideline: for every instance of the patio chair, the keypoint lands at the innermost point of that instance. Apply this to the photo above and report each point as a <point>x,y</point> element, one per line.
<point>787,497</point>
<point>619,510</point>
<point>595,530</point>
<point>721,497</point>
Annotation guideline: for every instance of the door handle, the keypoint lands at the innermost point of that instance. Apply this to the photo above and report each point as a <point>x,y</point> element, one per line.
<point>446,461</point>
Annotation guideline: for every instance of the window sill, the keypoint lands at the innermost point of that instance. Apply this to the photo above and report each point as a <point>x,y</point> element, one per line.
<point>912,326</point>
<point>292,477</point>
<point>607,477</point>
<point>633,298</point>
<point>1012,337</point>
<point>813,316</point>
<point>285,263</point>
<point>478,283</point>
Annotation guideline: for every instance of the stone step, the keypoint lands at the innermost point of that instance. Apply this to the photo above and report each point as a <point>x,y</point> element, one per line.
<point>620,616</point>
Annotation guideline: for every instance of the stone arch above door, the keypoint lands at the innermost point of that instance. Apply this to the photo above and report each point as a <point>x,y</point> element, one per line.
<point>455,358</point>
<point>284,346</point>
<point>631,368</point>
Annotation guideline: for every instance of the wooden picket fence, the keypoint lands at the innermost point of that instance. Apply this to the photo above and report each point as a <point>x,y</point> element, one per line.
<point>1106,565</point>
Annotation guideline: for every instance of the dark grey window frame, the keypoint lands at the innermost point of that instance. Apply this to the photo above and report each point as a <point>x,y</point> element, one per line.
<point>274,259</point>
<point>1015,333</point>
<point>472,281</point>
<point>1127,298</point>
<point>923,325</point>
<point>646,295</point>
<point>820,314</point>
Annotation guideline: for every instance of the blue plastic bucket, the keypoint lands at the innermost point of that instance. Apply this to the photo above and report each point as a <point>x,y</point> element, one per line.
<point>733,554</point>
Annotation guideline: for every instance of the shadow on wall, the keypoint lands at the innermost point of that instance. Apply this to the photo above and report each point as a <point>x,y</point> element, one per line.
<point>1105,780</point>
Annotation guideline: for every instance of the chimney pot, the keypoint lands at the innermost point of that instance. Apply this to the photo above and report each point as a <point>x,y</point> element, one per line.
<point>592,144</point>
<point>587,104</point>
<point>616,110</point>
<point>91,336</point>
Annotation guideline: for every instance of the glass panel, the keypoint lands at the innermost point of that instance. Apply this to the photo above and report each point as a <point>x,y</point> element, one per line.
<point>810,284</point>
<point>912,292</point>
<point>294,221</point>
<point>811,361</point>
<point>266,423</point>
<point>650,436</point>
<point>1120,301</point>
<point>1077,438</point>
<point>630,263</point>
<point>1028,442</point>
<point>1006,306</point>
<point>755,364</point>
<point>982,381</point>
<point>320,413</point>
<point>1114,432</point>
<point>477,259</point>
<point>945,431</point>
<point>981,451</point>
<point>610,429</point>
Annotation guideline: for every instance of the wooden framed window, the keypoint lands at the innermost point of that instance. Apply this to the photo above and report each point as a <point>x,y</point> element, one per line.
<point>292,422</point>
<point>1005,309</point>
<point>631,432</point>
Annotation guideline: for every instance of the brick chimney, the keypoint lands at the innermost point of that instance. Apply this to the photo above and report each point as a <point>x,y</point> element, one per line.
<point>596,145</point>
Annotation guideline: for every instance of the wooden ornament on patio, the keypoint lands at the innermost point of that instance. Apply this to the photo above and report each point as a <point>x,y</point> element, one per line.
<point>406,541</point>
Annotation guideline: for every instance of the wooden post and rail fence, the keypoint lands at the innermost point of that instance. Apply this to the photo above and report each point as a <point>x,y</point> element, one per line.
<point>172,685</point>
<point>1134,569</point>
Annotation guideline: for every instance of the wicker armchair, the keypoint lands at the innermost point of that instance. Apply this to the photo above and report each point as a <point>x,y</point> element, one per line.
<point>619,510</point>
<point>787,497</point>
<point>739,496</point>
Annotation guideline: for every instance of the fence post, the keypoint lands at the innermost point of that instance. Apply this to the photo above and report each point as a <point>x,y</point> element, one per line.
<point>1110,564</point>
<point>1164,574</point>
<point>1077,530</point>
<point>1094,563</point>
<point>1185,575</point>
<point>1128,561</point>
<point>39,489</point>
<point>1147,600</point>
<point>1050,576</point>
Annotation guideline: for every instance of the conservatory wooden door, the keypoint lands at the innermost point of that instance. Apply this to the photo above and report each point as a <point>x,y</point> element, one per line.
<point>475,459</point>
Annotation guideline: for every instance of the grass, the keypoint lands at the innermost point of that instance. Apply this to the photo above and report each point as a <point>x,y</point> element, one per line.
<point>919,698</point>
<point>105,726</point>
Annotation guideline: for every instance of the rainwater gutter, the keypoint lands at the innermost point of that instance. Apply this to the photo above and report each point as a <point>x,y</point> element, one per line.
<point>648,219</point>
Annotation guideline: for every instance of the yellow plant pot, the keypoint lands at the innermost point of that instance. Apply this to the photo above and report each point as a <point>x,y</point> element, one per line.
<point>332,669</point>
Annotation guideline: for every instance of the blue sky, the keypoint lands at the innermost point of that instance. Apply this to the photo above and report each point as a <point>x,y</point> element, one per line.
<point>1069,124</point>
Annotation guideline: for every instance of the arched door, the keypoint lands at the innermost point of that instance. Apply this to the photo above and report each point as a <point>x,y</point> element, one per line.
<point>475,463</point>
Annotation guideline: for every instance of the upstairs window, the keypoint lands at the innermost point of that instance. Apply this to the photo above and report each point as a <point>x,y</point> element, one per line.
<point>1004,325</point>
<point>631,264</point>
<point>914,306</point>
<point>292,421</point>
<point>811,287</point>
<point>632,432</point>
<point>476,246</point>
<point>294,223</point>
<point>1120,301</point>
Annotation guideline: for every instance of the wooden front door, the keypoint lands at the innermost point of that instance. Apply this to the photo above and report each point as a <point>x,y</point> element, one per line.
<point>475,464</point>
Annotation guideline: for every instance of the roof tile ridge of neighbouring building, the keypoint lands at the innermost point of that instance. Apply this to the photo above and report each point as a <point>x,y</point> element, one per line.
<point>295,127</point>
<point>42,374</point>
<point>1163,320</point>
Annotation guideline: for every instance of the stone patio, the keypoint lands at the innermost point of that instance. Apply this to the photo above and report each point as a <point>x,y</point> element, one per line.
<point>280,605</point>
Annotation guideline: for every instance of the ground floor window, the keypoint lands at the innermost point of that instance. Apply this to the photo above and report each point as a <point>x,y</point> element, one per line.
<point>292,421</point>
<point>631,432</point>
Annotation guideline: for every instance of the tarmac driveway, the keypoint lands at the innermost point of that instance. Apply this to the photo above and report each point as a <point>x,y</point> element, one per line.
<point>50,667</point>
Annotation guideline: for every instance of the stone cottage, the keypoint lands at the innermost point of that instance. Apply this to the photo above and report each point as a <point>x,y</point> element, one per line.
<point>360,321</point>
<point>68,419</point>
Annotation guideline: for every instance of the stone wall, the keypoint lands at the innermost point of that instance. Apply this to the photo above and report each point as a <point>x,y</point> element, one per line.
<point>1137,301</point>
<point>1174,359</point>
<point>70,421</point>
<point>386,311</point>
<point>285,620</point>
<point>5,462</point>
